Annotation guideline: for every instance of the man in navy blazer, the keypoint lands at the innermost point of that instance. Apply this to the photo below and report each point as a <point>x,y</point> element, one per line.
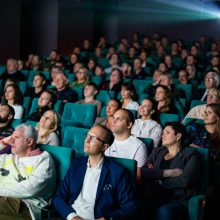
<point>96,187</point>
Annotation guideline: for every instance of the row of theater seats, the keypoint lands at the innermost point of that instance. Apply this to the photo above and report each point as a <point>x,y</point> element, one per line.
<point>63,156</point>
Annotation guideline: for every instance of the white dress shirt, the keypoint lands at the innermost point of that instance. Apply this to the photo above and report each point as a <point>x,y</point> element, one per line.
<point>85,202</point>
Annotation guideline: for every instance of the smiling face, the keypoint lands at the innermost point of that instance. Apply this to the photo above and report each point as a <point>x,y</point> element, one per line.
<point>145,109</point>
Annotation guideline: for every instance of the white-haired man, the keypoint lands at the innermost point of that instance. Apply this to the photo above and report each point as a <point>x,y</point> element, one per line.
<point>27,176</point>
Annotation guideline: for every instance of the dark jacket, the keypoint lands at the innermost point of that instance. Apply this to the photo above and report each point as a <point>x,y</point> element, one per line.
<point>182,187</point>
<point>115,202</point>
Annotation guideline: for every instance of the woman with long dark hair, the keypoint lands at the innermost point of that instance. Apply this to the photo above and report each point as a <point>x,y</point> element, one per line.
<point>13,96</point>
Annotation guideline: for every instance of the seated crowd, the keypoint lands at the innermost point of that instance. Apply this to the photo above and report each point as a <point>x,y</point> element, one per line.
<point>145,80</point>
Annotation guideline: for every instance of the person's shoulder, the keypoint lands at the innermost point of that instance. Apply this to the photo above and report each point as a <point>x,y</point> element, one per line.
<point>190,152</point>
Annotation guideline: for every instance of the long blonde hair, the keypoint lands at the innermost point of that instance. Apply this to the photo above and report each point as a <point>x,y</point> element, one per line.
<point>56,122</point>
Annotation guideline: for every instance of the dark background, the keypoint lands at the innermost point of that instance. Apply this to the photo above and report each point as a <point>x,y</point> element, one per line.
<point>42,25</point>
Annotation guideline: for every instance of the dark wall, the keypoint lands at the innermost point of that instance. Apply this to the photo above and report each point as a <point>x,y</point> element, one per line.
<point>39,29</point>
<point>10,29</point>
<point>76,23</point>
<point>39,26</point>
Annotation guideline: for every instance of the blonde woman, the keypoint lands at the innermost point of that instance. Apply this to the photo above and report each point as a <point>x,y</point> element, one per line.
<point>47,128</point>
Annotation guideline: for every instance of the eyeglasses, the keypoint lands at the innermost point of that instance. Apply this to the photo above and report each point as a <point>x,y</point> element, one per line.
<point>209,79</point>
<point>212,96</point>
<point>93,138</point>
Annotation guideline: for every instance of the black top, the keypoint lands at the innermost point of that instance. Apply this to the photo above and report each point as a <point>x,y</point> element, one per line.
<point>6,131</point>
<point>19,76</point>
<point>66,95</point>
<point>35,116</point>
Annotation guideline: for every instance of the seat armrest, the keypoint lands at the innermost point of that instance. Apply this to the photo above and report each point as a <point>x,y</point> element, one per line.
<point>197,207</point>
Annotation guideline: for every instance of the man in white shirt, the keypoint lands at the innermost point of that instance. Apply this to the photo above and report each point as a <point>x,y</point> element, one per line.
<point>125,144</point>
<point>27,176</point>
<point>95,187</point>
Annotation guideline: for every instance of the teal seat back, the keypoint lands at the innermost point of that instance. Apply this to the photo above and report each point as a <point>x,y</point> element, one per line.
<point>196,102</point>
<point>149,143</point>
<point>104,62</point>
<point>141,97</point>
<point>204,165</point>
<point>62,157</point>
<point>74,137</point>
<point>22,86</point>
<point>71,77</point>
<point>79,115</point>
<point>34,106</point>
<point>79,91</point>
<point>32,123</point>
<point>26,106</point>
<point>130,165</point>
<point>96,79</point>
<point>16,122</point>
<point>25,72</point>
<point>180,105</point>
<point>141,85</point>
<point>164,118</point>
<point>187,88</point>
<point>32,73</point>
<point>196,203</point>
<point>2,69</point>
<point>104,96</point>
<point>58,107</point>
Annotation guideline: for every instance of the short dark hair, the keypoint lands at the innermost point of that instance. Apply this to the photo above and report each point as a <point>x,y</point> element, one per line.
<point>117,101</point>
<point>11,110</point>
<point>52,95</point>
<point>179,128</point>
<point>93,85</point>
<point>109,137</point>
<point>41,75</point>
<point>130,115</point>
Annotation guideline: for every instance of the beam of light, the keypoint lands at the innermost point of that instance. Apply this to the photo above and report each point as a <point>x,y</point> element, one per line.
<point>175,10</point>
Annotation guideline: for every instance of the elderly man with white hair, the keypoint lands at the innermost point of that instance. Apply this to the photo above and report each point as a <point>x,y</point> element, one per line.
<point>211,81</point>
<point>27,176</point>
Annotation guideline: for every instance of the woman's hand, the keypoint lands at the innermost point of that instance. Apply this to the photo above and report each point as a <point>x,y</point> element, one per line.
<point>172,172</point>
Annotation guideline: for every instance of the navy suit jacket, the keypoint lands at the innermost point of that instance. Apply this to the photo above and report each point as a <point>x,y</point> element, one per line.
<point>114,197</point>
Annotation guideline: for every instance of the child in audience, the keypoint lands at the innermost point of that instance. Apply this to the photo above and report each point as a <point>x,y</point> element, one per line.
<point>90,91</point>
